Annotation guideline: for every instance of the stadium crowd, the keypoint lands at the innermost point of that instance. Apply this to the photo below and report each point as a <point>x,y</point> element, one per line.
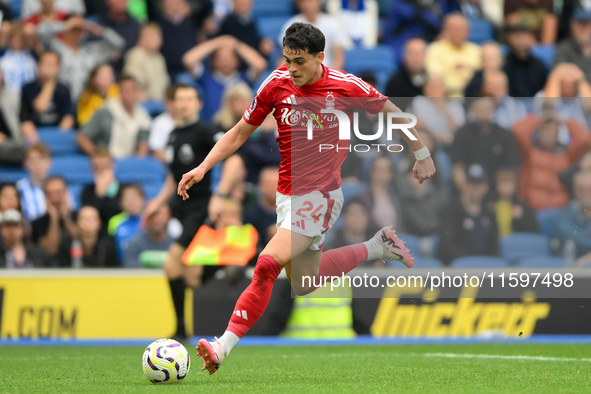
<point>501,89</point>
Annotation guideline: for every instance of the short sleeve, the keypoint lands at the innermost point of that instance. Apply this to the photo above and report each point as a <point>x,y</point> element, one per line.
<point>261,105</point>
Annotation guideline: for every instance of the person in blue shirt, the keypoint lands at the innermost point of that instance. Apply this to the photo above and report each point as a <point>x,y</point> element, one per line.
<point>127,224</point>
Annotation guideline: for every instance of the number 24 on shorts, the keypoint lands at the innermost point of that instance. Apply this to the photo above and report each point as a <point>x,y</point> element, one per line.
<point>307,207</point>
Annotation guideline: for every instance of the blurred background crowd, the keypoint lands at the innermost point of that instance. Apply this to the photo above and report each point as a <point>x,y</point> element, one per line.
<point>501,89</point>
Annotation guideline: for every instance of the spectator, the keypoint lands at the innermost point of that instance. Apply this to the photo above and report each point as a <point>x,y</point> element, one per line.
<point>508,109</point>
<point>9,198</point>
<point>118,19</point>
<point>262,214</point>
<point>12,143</point>
<point>17,64</point>
<point>69,7</point>
<point>15,250</point>
<point>46,101</point>
<point>153,237</point>
<point>260,150</point>
<point>79,56</point>
<point>453,57</point>
<point>47,13</point>
<point>567,176</point>
<point>102,194</point>
<point>538,15</point>
<point>513,214</point>
<point>408,19</point>
<point>37,163</point>
<point>122,126</point>
<point>127,224</point>
<point>355,227</point>
<point>98,250</point>
<point>180,28</point>
<point>234,100</point>
<point>527,74</point>
<point>492,60</point>
<point>100,86</point>
<point>5,24</point>
<point>379,196</point>
<point>567,92</point>
<point>574,222</point>
<point>162,126</point>
<point>482,142</point>
<point>146,64</point>
<point>311,12</point>
<point>441,117</point>
<point>544,157</point>
<point>56,229</point>
<point>241,24</point>
<point>577,48</point>
<point>223,69</point>
<point>468,227</point>
<point>358,20</point>
<point>412,76</point>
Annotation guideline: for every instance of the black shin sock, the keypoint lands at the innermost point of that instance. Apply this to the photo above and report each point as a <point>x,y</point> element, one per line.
<point>177,290</point>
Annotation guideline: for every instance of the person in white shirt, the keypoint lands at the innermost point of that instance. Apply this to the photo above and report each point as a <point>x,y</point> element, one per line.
<point>162,125</point>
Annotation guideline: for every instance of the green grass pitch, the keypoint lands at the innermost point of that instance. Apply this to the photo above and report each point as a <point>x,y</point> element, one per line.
<point>454,368</point>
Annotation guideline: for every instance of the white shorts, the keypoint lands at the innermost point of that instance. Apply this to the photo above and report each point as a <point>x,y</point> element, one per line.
<point>311,214</point>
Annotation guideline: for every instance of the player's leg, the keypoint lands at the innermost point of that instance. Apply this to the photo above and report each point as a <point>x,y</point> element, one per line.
<point>174,270</point>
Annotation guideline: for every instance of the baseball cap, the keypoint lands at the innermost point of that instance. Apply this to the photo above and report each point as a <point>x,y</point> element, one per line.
<point>582,15</point>
<point>476,174</point>
<point>11,216</point>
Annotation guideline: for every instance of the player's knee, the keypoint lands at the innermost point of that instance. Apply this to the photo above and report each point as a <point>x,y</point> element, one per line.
<point>192,281</point>
<point>173,266</point>
<point>265,270</point>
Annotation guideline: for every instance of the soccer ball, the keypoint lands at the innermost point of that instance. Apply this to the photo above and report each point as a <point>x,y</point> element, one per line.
<point>166,361</point>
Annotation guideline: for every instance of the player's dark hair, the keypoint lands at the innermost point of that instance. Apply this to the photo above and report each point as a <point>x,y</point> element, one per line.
<point>304,37</point>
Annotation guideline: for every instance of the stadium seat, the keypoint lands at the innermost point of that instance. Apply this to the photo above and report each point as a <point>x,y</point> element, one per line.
<point>76,192</point>
<point>427,262</point>
<point>547,219</point>
<point>273,8</point>
<point>270,26</point>
<point>73,168</point>
<point>516,246</point>
<point>541,262</point>
<point>152,189</point>
<point>352,189</point>
<point>545,53</point>
<point>479,262</point>
<point>481,30</point>
<point>11,174</point>
<point>140,170</point>
<point>59,142</point>
<point>15,7</point>
<point>412,242</point>
<point>379,60</point>
<point>154,108</point>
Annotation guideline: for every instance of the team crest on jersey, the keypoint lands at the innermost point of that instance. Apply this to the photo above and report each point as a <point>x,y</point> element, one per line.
<point>253,104</point>
<point>186,154</point>
<point>290,116</point>
<point>330,100</point>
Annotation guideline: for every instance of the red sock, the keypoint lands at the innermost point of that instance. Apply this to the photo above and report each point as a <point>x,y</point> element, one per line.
<point>254,299</point>
<point>340,261</point>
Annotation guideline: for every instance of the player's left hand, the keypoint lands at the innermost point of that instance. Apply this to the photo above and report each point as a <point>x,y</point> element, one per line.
<point>423,169</point>
<point>189,179</point>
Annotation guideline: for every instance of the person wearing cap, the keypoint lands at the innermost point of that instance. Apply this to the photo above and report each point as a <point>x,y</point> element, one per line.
<point>15,250</point>
<point>538,15</point>
<point>469,226</point>
<point>577,48</point>
<point>544,157</point>
<point>527,74</point>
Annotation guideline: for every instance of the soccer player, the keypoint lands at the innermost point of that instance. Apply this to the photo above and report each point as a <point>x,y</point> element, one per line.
<point>310,197</point>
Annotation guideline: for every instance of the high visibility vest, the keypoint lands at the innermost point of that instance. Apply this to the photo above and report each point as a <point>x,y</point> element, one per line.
<point>318,316</point>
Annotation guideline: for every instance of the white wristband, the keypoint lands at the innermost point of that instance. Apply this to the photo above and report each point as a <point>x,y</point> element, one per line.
<point>422,153</point>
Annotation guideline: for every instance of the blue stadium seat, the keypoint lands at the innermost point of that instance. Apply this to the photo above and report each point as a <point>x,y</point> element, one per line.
<point>73,168</point>
<point>11,174</point>
<point>479,262</point>
<point>270,26</point>
<point>547,219</point>
<point>481,30</point>
<point>152,189</point>
<point>379,60</point>
<point>412,242</point>
<point>427,262</point>
<point>542,262</point>
<point>15,8</point>
<point>517,246</point>
<point>76,192</point>
<point>545,53</point>
<point>140,169</point>
<point>273,8</point>
<point>154,108</point>
<point>59,142</point>
<point>352,189</point>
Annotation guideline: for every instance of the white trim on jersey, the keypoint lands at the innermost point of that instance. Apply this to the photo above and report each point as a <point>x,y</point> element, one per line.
<point>273,75</point>
<point>350,78</point>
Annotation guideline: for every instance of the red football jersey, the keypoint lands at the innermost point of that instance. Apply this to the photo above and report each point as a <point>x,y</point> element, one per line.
<point>304,166</point>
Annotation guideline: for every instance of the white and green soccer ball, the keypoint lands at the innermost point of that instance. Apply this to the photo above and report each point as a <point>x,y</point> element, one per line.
<point>166,361</point>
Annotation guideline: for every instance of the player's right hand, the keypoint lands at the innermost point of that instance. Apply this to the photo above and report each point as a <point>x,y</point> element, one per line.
<point>189,179</point>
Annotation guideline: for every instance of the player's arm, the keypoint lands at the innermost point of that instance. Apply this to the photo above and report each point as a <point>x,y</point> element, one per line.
<point>227,145</point>
<point>424,167</point>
